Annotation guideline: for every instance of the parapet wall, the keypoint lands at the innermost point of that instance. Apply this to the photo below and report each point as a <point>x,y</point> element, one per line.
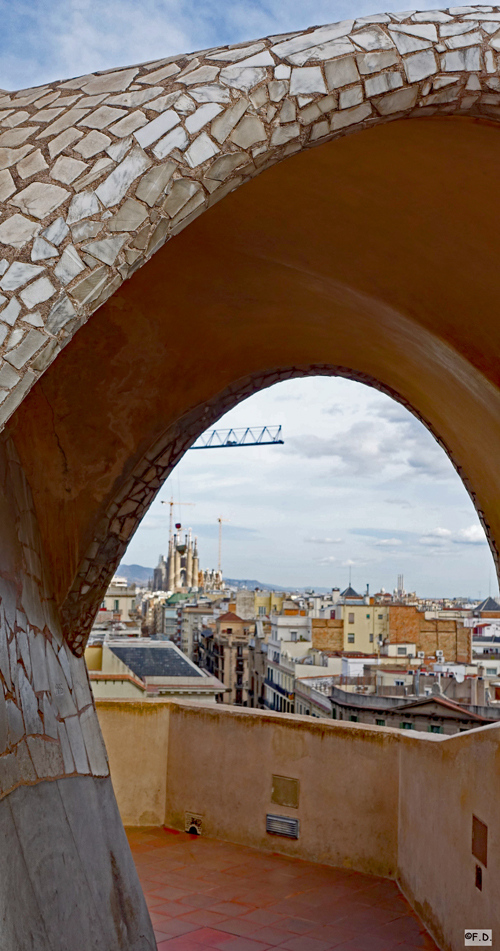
<point>381,801</point>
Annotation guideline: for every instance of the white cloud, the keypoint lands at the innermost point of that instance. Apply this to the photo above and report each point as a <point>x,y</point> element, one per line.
<point>474,535</point>
<point>388,542</point>
<point>54,39</point>
<point>324,541</point>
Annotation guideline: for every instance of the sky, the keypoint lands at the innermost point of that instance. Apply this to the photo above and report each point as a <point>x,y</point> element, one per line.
<point>44,40</point>
<point>359,487</point>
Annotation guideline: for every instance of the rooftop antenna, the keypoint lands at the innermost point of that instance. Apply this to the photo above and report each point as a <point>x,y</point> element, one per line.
<point>350,573</point>
<point>171,519</point>
<point>220,521</point>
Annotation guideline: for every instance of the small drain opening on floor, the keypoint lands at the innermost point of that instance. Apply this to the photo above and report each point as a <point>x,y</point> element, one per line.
<point>282,825</point>
<point>193,824</point>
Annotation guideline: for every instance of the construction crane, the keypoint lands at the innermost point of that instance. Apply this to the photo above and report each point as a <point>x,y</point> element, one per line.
<point>220,521</point>
<point>230,438</point>
<point>171,504</point>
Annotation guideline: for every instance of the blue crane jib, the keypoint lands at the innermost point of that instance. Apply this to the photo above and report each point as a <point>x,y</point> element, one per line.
<point>230,438</point>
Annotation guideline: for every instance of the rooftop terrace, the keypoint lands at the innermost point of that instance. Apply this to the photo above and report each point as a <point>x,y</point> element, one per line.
<point>206,894</point>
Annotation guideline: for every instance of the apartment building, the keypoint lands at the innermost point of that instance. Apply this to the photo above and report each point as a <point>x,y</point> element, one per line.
<point>225,653</point>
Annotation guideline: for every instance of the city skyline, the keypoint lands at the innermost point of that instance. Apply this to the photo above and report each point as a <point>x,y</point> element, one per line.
<point>360,487</point>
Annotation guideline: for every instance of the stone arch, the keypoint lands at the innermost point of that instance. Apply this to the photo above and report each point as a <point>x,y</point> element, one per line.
<point>372,256</point>
<point>100,171</point>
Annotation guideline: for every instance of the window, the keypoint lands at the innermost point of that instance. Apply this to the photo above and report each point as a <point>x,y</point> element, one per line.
<point>353,718</point>
<point>402,651</point>
<point>399,683</point>
<point>371,637</point>
<point>350,638</point>
<point>239,651</point>
<point>117,605</point>
<point>368,616</point>
<point>381,617</point>
<point>380,722</point>
<point>351,618</point>
<point>435,729</point>
<point>293,635</point>
<point>406,726</point>
<point>491,671</point>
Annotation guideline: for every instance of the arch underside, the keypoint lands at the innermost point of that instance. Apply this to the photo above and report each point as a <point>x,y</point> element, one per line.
<point>373,256</point>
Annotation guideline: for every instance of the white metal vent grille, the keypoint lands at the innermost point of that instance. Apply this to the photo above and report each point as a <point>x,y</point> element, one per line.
<point>282,825</point>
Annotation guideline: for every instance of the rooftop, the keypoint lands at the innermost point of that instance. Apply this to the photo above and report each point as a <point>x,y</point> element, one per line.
<point>205,894</point>
<point>160,659</point>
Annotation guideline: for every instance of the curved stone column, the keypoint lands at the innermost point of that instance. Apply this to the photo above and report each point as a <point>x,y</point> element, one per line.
<point>67,878</point>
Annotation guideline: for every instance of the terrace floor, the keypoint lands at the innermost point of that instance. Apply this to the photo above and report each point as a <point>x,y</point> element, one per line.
<point>206,894</point>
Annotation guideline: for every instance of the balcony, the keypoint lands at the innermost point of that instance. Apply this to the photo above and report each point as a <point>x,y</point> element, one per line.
<point>385,828</point>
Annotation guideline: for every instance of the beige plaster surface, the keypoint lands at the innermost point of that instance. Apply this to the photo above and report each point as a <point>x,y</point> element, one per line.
<point>380,801</point>
<point>373,256</point>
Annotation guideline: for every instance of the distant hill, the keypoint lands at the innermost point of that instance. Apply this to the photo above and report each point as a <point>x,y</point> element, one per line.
<point>135,574</point>
<point>139,574</point>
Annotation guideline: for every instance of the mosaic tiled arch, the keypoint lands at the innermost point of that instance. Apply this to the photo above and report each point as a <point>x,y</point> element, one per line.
<point>122,517</point>
<point>98,172</point>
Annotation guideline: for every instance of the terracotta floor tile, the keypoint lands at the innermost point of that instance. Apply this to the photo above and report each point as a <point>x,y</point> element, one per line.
<point>183,943</point>
<point>231,909</point>
<point>238,926</point>
<point>305,943</point>
<point>271,935</point>
<point>175,926</point>
<point>297,925</point>
<point>205,894</point>
<point>263,916</point>
<point>245,944</point>
<point>210,938</point>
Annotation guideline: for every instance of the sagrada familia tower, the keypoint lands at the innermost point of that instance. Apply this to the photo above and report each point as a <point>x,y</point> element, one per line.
<point>180,571</point>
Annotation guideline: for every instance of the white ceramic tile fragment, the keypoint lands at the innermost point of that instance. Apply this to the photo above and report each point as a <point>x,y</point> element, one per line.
<point>19,274</point>
<point>76,742</point>
<point>202,149</point>
<point>7,187</point>
<point>40,199</point>
<point>134,99</point>
<point>245,77</point>
<point>17,230</point>
<point>384,82</point>
<point>156,128</point>
<point>236,54</point>
<point>351,97</point>
<point>83,205</point>
<point>420,65</point>
<point>214,92</point>
<point>37,293</point>
<point>113,189</point>
<point>204,114</point>
<point>372,38</point>
<point>69,266</point>
<point>304,41</point>
<point>107,249</point>
<point>10,313</point>
<point>63,141</point>
<point>93,143</point>
<point>33,163</point>
<point>56,232</point>
<point>307,79</point>
<point>129,124</point>
<point>102,117</point>
<point>177,139</point>
<point>67,169</point>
